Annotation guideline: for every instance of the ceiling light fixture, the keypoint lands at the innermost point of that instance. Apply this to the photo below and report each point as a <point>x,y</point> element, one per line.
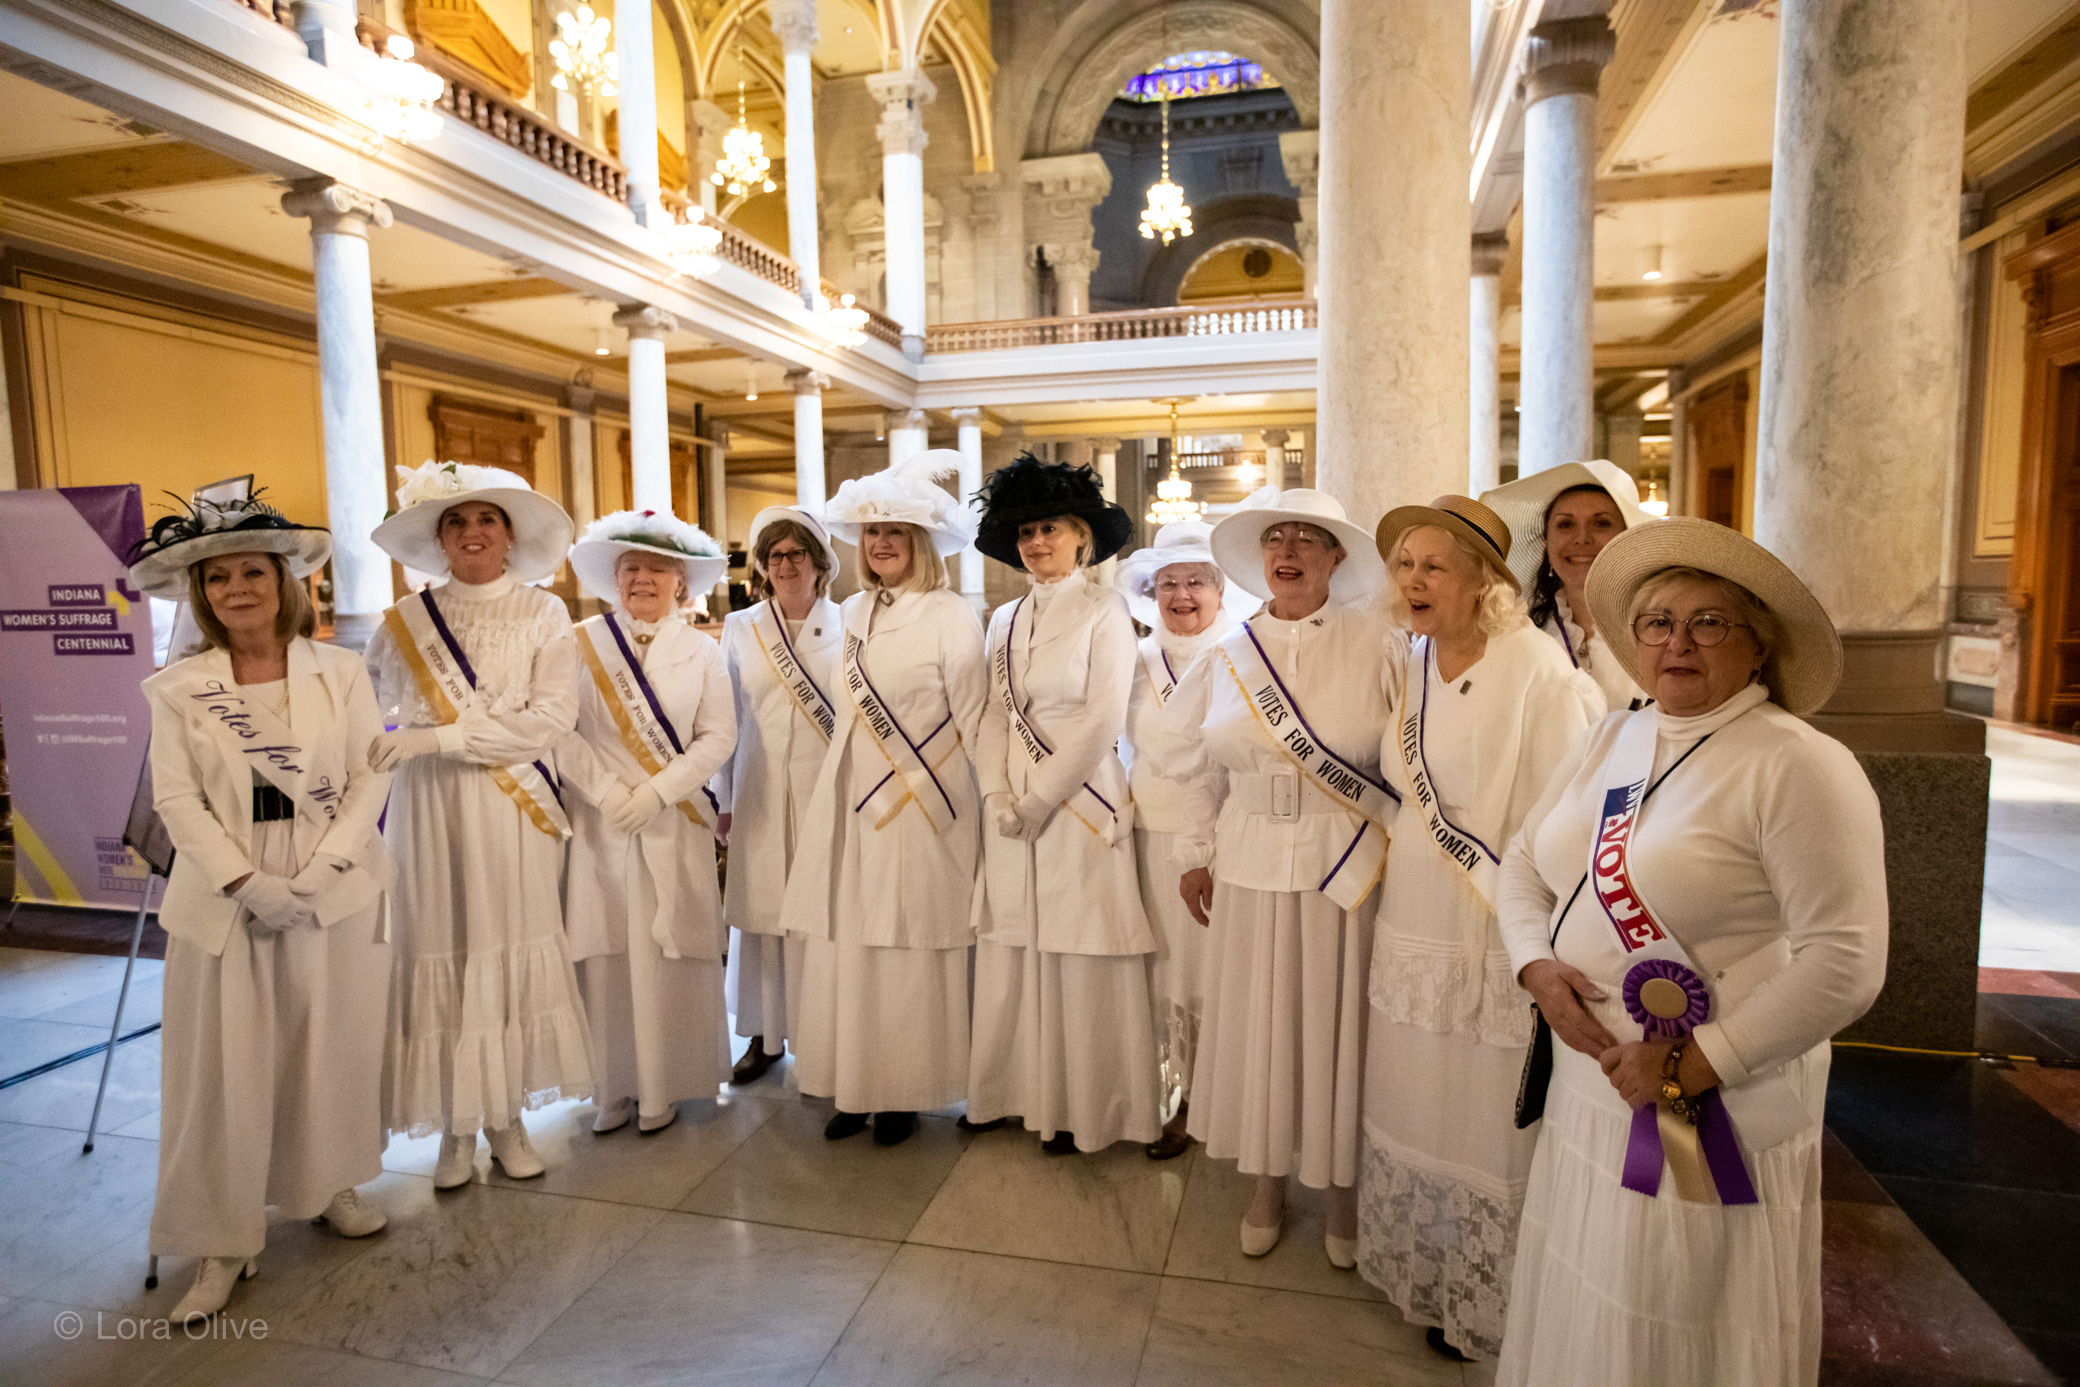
<point>1173,494</point>
<point>845,325</point>
<point>1166,215</point>
<point>405,94</point>
<point>691,244</point>
<point>602,345</point>
<point>1654,505</point>
<point>1652,269</point>
<point>584,63</point>
<point>744,162</point>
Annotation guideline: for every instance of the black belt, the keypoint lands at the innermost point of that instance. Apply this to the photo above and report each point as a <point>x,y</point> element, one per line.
<point>271,805</point>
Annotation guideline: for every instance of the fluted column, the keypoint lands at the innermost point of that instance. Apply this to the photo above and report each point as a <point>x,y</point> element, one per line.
<point>903,97</point>
<point>968,438</point>
<point>716,476</point>
<point>795,23</point>
<point>1484,365</point>
<point>808,438</point>
<point>350,399</point>
<point>636,111</point>
<point>649,427</point>
<point>908,434</point>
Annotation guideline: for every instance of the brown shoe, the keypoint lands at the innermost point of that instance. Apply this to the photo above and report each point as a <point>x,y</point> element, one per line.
<point>753,1067</point>
<point>1168,1147</point>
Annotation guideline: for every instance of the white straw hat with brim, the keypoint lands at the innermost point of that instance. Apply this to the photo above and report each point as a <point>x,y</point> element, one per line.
<point>1523,504</point>
<point>801,518</point>
<point>1480,527</point>
<point>160,562</point>
<point>411,533</point>
<point>907,492</point>
<point>598,551</point>
<point>1801,675</point>
<point>1181,541</point>
<point>1238,541</point>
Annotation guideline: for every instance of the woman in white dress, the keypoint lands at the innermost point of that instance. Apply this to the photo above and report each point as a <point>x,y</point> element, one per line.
<point>780,652</point>
<point>641,905</point>
<point>1488,707</point>
<point>1560,519</point>
<point>1737,907</point>
<point>884,875</point>
<point>1273,738</point>
<point>1176,589</point>
<point>479,677</point>
<point>1062,1029</point>
<point>278,957</point>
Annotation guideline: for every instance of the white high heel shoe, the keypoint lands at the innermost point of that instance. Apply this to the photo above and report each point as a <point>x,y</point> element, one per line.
<point>458,1161</point>
<point>514,1153</point>
<point>1258,1241</point>
<point>212,1289</point>
<point>1343,1252</point>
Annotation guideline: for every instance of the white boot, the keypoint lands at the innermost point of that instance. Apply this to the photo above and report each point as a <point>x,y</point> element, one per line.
<point>511,1149</point>
<point>458,1161</point>
<point>212,1289</point>
<point>350,1217</point>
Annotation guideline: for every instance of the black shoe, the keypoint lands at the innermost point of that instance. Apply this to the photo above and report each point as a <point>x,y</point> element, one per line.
<point>1434,1336</point>
<point>843,1125</point>
<point>1168,1147</point>
<point>893,1128</point>
<point>1060,1144</point>
<point>754,1065</point>
<point>989,1126</point>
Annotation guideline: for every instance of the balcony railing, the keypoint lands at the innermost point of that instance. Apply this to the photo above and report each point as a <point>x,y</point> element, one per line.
<point>1209,320</point>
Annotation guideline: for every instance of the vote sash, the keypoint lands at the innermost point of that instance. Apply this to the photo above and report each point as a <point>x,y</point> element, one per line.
<point>1155,661</point>
<point>449,685</point>
<point>1475,861</point>
<point>645,730</point>
<point>312,778</point>
<point>1372,805</point>
<point>1084,804</point>
<point>910,778</point>
<point>788,669</point>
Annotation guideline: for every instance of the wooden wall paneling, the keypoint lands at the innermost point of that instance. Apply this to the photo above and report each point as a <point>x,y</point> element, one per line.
<point>1718,420</point>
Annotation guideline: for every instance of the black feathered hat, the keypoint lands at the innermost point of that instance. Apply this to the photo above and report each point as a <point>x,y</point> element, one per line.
<point>1029,489</point>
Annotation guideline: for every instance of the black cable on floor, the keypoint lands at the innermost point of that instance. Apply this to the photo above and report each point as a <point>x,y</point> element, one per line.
<point>62,1061</point>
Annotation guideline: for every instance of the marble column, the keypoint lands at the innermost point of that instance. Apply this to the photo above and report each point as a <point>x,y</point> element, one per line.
<point>582,400</point>
<point>649,428</point>
<point>968,439</point>
<point>1484,364</point>
<point>1073,267</point>
<point>350,399</point>
<point>1563,64</point>
<point>1856,443</point>
<point>715,477</point>
<point>903,97</point>
<point>1105,461</point>
<point>635,92</point>
<point>794,21</point>
<point>1391,424</point>
<point>1275,457</point>
<point>808,438</point>
<point>706,124</point>
<point>1060,193</point>
<point>908,433</point>
<point>1300,152</point>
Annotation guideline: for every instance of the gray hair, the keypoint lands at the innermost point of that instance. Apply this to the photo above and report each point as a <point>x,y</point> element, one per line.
<point>1747,607</point>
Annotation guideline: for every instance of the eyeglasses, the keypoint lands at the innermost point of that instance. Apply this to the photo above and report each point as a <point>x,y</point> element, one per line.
<point>1170,587</point>
<point>1705,628</point>
<point>776,557</point>
<point>1301,537</point>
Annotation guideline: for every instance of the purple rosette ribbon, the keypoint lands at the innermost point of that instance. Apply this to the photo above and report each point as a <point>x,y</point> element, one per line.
<point>1669,1001</point>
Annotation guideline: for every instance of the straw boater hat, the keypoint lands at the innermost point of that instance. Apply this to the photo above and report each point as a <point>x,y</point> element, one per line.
<point>411,533</point>
<point>909,492</point>
<point>801,518</point>
<point>1801,674</point>
<point>598,551</point>
<point>1181,541</point>
<point>1238,546</point>
<point>1523,504</point>
<point>1482,529</point>
<point>159,562</point>
<point>1028,489</point>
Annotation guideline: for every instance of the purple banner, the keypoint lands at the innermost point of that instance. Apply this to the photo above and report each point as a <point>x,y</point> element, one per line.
<point>76,727</point>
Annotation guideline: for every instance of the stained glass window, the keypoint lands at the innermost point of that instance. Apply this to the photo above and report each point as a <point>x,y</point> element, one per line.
<point>1200,73</point>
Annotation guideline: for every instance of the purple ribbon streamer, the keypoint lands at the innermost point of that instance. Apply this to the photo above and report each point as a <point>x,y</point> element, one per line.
<point>1643,1153</point>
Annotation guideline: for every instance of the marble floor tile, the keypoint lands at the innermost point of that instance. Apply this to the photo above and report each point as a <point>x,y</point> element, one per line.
<point>104,1349</point>
<point>26,1044</point>
<point>939,1316</point>
<point>81,1204</point>
<point>709,1300</point>
<point>65,1097</point>
<point>145,1128</point>
<point>141,1008</point>
<point>1112,1208</point>
<point>2014,1246</point>
<point>463,1280</point>
<point>1205,1334</point>
<point>786,1173</point>
<point>2056,1091</point>
<point>22,1146</point>
<point>1207,1244</point>
<point>13,960</point>
<point>272,1363</point>
<point>33,992</point>
<point>2060,848</point>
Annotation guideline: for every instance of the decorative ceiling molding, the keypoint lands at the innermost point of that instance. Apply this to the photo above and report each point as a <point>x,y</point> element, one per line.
<point>461,295</point>
<point>1664,187</point>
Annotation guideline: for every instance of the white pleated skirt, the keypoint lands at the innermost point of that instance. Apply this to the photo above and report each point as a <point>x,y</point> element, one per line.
<point>1177,970</point>
<point>1275,1085</point>
<point>1613,1289</point>
<point>271,1073</point>
<point>1064,1042</point>
<point>764,985</point>
<point>882,1030</point>
<point>659,1032</point>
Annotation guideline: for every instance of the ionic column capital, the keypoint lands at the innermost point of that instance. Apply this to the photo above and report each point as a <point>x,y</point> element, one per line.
<point>903,97</point>
<point>1105,447</point>
<point>807,382</point>
<point>1075,260</point>
<point>1566,57</point>
<point>906,419</point>
<point>1490,249</point>
<point>1276,438</point>
<point>334,208</point>
<point>794,22</point>
<point>967,416</point>
<point>644,320</point>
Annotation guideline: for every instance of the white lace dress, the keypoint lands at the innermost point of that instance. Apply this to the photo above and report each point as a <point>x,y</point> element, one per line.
<point>485,1014</point>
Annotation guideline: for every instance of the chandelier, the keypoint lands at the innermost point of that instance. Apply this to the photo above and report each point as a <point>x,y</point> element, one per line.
<point>846,325</point>
<point>1173,494</point>
<point>744,162</point>
<point>691,245</point>
<point>1654,505</point>
<point>1166,214</point>
<point>405,94</point>
<point>583,60</point>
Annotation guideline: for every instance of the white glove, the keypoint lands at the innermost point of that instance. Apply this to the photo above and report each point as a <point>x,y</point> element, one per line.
<point>391,749</point>
<point>324,869</point>
<point>273,905</point>
<point>633,812</point>
<point>1003,816</point>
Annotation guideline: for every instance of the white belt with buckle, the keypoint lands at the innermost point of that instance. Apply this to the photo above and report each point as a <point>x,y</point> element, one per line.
<point>1281,796</point>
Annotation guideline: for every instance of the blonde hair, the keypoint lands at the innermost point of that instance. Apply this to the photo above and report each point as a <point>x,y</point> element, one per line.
<point>1085,544</point>
<point>295,617</point>
<point>1747,607</point>
<point>927,569</point>
<point>1499,610</point>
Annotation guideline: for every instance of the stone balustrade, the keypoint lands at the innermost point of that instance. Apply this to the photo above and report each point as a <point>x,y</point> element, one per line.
<point>1209,320</point>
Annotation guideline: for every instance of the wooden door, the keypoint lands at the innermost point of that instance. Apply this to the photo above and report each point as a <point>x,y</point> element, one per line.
<point>466,431</point>
<point>2044,575</point>
<point>1719,436</point>
<point>684,474</point>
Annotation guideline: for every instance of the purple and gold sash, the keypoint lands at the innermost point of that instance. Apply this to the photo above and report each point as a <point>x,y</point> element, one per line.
<point>645,730</point>
<point>911,778</point>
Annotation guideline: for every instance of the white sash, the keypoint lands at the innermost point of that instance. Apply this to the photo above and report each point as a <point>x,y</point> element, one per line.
<point>1086,805</point>
<point>772,638</point>
<point>1372,805</point>
<point>312,777</point>
<point>449,685</point>
<point>645,730</point>
<point>1476,861</point>
<point>910,778</point>
<point>1161,678</point>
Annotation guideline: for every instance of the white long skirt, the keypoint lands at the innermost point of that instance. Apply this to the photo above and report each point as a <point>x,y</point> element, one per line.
<point>1177,970</point>
<point>658,1028</point>
<point>485,1012</point>
<point>882,1030</point>
<point>271,1073</point>
<point>1276,1082</point>
<point>1613,1289</point>
<point>1064,1041</point>
<point>764,985</point>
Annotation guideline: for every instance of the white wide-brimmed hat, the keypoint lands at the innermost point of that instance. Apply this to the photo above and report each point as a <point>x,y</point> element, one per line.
<point>160,561</point>
<point>1523,504</point>
<point>1478,526</point>
<point>1181,541</point>
<point>1801,674</point>
<point>800,517</point>
<point>598,551</point>
<point>1238,541</point>
<point>908,492</point>
<point>411,533</point>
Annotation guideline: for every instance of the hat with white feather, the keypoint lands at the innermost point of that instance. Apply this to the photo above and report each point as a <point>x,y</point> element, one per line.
<point>907,492</point>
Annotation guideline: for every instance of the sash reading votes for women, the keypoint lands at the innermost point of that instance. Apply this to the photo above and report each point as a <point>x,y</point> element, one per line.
<point>449,685</point>
<point>1476,861</point>
<point>910,779</point>
<point>1087,805</point>
<point>1161,677</point>
<point>645,730</point>
<point>269,746</point>
<point>1371,803</point>
<point>772,638</point>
